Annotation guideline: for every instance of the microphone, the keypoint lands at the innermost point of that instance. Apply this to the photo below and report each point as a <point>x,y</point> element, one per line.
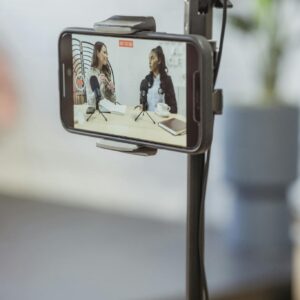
<point>95,88</point>
<point>143,94</point>
<point>144,87</point>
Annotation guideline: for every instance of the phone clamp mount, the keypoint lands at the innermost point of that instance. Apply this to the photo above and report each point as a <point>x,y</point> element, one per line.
<point>126,25</point>
<point>130,25</point>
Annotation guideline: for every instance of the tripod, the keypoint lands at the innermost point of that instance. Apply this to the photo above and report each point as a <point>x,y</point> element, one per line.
<point>143,112</point>
<point>97,109</point>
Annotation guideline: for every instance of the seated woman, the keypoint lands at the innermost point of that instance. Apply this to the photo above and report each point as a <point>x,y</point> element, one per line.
<point>100,68</point>
<point>160,84</point>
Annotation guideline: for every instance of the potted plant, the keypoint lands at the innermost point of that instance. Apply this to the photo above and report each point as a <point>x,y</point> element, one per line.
<point>261,140</point>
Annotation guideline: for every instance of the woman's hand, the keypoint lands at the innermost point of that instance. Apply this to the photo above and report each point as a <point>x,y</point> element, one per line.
<point>103,79</point>
<point>111,86</point>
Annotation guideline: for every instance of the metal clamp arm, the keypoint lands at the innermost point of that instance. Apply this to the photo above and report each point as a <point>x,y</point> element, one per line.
<point>203,5</point>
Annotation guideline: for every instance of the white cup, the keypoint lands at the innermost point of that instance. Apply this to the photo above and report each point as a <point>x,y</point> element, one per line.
<point>163,109</point>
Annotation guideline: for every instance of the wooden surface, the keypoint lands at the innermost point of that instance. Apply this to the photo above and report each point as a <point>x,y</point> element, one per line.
<point>125,125</point>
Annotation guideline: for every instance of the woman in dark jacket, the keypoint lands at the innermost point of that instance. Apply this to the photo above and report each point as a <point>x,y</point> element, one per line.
<point>160,85</point>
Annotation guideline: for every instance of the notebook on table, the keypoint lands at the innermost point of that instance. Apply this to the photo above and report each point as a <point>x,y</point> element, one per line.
<point>174,126</point>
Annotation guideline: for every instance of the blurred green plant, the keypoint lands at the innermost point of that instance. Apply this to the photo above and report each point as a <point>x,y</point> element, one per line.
<point>264,21</point>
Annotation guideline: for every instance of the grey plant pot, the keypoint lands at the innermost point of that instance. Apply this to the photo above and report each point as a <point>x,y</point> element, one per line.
<point>261,151</point>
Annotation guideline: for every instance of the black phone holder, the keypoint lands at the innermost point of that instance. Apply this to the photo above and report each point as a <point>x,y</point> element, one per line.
<point>126,25</point>
<point>130,25</point>
<point>198,20</point>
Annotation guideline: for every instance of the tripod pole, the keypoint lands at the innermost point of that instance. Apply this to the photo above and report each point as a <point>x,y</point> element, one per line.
<point>138,115</point>
<point>150,117</point>
<point>195,183</point>
<point>143,112</point>
<point>89,116</point>
<point>195,23</point>
<point>102,114</point>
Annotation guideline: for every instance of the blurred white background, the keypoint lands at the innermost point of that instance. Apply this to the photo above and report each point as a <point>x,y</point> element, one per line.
<point>39,159</point>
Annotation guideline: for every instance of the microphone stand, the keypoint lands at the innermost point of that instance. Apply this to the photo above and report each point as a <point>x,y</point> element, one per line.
<point>142,113</point>
<point>97,109</point>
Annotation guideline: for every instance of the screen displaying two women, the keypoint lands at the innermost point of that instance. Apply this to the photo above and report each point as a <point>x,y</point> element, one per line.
<point>156,87</point>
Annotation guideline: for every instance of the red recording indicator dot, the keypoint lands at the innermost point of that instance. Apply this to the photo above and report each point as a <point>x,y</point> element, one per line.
<point>126,43</point>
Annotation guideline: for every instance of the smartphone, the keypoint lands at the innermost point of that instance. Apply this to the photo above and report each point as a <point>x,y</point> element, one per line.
<point>142,80</point>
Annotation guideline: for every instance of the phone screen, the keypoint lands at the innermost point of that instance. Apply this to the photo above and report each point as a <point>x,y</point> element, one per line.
<point>130,88</point>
